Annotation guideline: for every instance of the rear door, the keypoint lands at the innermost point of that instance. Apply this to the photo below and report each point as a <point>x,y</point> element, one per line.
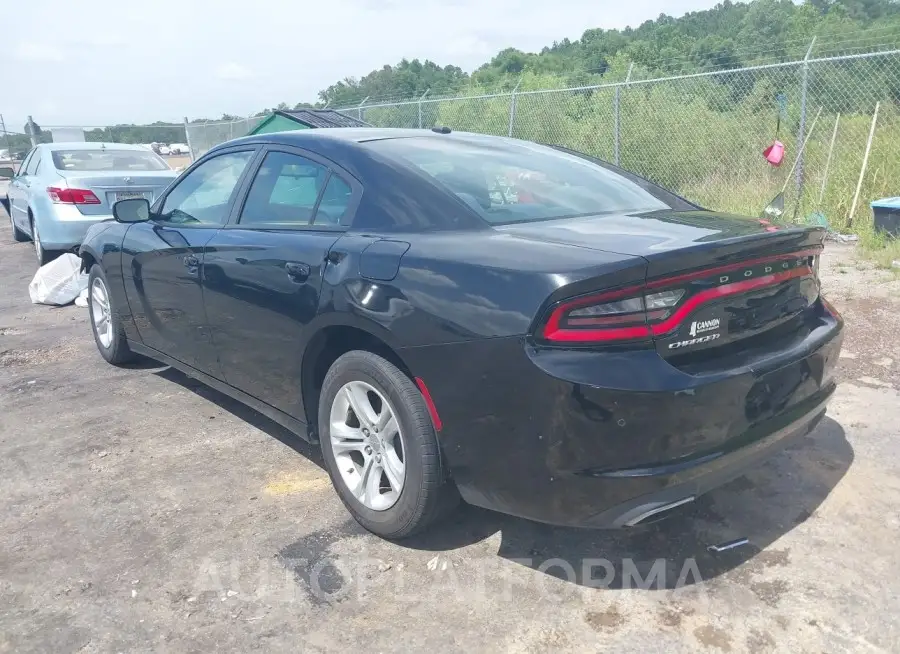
<point>263,273</point>
<point>162,258</point>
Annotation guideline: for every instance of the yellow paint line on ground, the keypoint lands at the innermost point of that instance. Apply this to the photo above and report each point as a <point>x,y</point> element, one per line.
<point>288,483</point>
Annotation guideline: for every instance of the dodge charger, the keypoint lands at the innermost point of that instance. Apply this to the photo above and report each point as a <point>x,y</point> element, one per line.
<point>454,316</point>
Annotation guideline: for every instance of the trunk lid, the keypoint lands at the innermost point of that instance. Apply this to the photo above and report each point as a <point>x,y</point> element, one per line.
<point>118,185</point>
<point>741,277</point>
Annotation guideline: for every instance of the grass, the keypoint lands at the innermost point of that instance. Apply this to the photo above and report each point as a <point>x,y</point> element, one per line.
<point>880,249</point>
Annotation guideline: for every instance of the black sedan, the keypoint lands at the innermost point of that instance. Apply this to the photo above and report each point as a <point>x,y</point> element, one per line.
<point>452,314</point>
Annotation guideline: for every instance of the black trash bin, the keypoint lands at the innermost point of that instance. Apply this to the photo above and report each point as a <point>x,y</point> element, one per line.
<point>887,216</point>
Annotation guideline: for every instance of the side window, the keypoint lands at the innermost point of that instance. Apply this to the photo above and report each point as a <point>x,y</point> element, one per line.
<point>32,166</point>
<point>335,200</point>
<point>284,191</point>
<point>34,163</point>
<point>204,196</point>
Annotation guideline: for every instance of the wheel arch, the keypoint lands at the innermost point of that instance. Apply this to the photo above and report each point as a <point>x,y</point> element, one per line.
<point>332,338</point>
<point>88,258</point>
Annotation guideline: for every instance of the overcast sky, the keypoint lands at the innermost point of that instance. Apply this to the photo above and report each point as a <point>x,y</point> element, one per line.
<point>99,62</point>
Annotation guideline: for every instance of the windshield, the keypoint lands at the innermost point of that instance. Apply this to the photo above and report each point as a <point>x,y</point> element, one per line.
<point>97,160</point>
<point>507,182</point>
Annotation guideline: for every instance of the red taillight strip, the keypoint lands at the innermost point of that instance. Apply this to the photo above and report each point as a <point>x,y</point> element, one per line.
<point>595,335</point>
<point>718,292</point>
<point>432,409</point>
<point>553,331</point>
<point>700,274</point>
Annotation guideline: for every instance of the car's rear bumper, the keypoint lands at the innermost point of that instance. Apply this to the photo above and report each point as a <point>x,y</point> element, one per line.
<point>662,488</point>
<point>63,226</point>
<point>598,439</point>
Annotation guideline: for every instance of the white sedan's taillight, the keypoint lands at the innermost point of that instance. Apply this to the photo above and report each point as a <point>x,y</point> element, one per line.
<point>72,196</point>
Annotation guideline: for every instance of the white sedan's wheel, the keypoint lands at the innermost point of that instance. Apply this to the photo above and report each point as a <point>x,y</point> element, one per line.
<point>368,445</point>
<point>38,248</point>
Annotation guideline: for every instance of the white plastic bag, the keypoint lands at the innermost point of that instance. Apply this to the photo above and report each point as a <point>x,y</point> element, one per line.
<point>58,282</point>
<point>81,300</point>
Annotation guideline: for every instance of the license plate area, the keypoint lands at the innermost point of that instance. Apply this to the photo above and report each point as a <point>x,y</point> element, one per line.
<point>128,195</point>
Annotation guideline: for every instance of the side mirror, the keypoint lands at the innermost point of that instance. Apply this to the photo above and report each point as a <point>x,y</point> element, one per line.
<point>136,210</point>
<point>6,172</point>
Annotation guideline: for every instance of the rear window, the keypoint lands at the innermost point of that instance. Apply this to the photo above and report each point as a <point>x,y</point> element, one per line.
<point>508,182</point>
<point>97,160</point>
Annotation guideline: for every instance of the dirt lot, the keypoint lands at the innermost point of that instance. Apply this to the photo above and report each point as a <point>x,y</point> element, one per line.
<point>177,161</point>
<point>142,512</point>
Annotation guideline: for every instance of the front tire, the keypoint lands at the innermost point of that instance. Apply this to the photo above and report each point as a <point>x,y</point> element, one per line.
<point>18,235</point>
<point>380,447</point>
<point>109,333</point>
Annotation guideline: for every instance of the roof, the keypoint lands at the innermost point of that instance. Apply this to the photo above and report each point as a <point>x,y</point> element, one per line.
<point>359,135</point>
<point>887,203</point>
<point>322,118</point>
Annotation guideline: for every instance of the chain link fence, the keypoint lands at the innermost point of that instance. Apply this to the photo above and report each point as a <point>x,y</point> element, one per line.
<point>700,134</point>
<point>201,136</point>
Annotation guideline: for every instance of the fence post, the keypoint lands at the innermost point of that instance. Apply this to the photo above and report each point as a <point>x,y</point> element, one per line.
<point>6,137</point>
<point>420,107</point>
<point>512,108</point>
<point>616,135</point>
<point>804,85</point>
<point>359,108</point>
<point>187,137</point>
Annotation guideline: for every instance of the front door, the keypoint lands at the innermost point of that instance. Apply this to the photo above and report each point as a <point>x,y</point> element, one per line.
<point>19,188</point>
<point>263,275</point>
<point>162,260</point>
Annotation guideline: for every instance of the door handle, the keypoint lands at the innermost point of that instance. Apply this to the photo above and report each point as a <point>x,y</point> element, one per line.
<point>298,272</point>
<point>190,261</point>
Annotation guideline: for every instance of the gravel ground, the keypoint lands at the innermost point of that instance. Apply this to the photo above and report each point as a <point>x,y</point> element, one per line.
<point>140,511</point>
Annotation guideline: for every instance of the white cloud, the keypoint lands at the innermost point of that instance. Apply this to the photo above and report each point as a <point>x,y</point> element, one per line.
<point>233,71</point>
<point>35,51</point>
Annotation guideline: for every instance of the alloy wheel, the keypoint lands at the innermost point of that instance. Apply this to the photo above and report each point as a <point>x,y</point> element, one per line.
<point>368,445</point>
<point>38,248</point>
<point>101,313</point>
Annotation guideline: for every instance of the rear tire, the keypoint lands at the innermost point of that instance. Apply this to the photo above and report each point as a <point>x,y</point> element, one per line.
<point>425,494</point>
<point>109,333</point>
<point>43,256</point>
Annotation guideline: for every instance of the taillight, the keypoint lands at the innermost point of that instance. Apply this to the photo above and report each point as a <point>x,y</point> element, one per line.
<point>609,316</point>
<point>72,196</point>
<point>661,306</point>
